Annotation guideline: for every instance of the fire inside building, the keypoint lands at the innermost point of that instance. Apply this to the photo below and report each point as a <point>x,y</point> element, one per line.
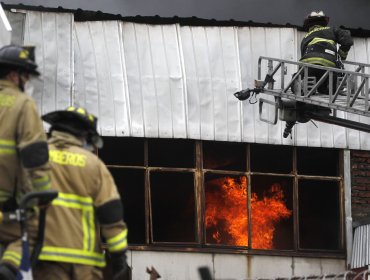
<point>204,182</point>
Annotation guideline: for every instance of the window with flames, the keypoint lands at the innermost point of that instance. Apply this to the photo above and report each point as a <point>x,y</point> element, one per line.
<point>202,195</point>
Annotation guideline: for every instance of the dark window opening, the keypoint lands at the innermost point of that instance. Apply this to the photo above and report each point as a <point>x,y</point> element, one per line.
<point>271,158</point>
<point>122,151</point>
<point>317,161</point>
<point>130,184</point>
<point>224,156</point>
<point>319,217</point>
<point>173,206</point>
<point>195,195</point>
<point>170,153</point>
<point>272,212</point>
<point>226,216</point>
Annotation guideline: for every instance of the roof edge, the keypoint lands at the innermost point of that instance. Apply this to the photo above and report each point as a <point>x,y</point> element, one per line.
<point>84,15</point>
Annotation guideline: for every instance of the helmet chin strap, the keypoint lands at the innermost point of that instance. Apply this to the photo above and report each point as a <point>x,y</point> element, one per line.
<point>20,81</point>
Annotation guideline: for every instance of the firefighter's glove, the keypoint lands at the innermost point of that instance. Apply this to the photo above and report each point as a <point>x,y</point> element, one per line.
<point>120,269</point>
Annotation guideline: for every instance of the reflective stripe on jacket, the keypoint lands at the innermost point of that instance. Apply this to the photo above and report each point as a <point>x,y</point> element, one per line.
<point>72,233</point>
<point>319,46</point>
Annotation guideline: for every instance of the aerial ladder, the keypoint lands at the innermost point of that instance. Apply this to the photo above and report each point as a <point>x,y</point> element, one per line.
<point>297,100</point>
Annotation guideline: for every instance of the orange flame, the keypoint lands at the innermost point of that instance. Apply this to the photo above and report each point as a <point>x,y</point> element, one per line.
<point>226,213</point>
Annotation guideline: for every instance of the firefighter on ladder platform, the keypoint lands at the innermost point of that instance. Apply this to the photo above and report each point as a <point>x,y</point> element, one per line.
<point>88,204</point>
<point>23,151</point>
<point>320,47</point>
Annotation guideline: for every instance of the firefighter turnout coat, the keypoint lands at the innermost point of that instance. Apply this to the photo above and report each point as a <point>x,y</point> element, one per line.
<point>88,204</point>
<point>23,161</point>
<point>319,46</point>
<point>23,146</point>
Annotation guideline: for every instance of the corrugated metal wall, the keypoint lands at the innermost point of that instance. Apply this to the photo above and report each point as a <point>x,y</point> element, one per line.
<point>171,81</point>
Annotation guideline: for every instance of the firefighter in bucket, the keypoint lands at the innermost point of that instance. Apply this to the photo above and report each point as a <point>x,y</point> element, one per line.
<point>88,204</point>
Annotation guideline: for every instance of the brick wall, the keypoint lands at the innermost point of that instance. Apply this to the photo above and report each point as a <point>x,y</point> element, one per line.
<point>360,178</point>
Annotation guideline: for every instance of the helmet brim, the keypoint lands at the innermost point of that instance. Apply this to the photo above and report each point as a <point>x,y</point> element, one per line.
<point>56,117</point>
<point>33,72</point>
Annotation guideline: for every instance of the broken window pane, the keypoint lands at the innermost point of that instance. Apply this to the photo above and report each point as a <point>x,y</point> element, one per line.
<point>130,184</point>
<point>122,151</point>
<point>173,206</point>
<point>224,156</point>
<point>319,216</point>
<point>226,215</point>
<point>317,161</point>
<point>271,158</point>
<point>171,153</point>
<point>272,212</point>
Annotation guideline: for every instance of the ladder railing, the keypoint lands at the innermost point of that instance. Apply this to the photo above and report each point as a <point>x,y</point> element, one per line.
<point>350,93</point>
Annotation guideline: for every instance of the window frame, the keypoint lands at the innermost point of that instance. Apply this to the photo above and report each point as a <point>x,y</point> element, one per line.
<point>199,194</point>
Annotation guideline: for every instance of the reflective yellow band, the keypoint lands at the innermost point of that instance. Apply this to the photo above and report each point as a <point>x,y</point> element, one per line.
<point>73,201</point>
<point>7,100</point>
<point>69,255</point>
<point>13,257</point>
<point>85,204</point>
<point>88,227</point>
<point>118,242</point>
<point>4,196</point>
<point>317,29</point>
<point>7,147</point>
<point>319,61</point>
<point>9,143</point>
<point>42,183</point>
<point>320,40</point>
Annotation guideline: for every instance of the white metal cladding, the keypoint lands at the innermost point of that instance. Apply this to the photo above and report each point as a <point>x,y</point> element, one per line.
<point>361,247</point>
<point>172,81</point>
<point>51,33</point>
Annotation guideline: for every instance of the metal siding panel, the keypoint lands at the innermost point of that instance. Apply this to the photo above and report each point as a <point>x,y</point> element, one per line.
<point>259,47</point>
<point>288,44</point>
<point>5,28</point>
<point>326,135</point>
<point>361,247</point>
<point>17,22</point>
<point>273,49</point>
<point>149,89</point>
<point>248,73</point>
<point>203,86</point>
<point>98,32</point>
<point>64,66</point>
<point>176,78</point>
<point>218,85</point>
<point>192,88</point>
<point>161,81</point>
<point>230,53</point>
<point>79,70</point>
<point>86,94</point>
<point>33,33</point>
<point>353,136</point>
<point>119,80</point>
<point>49,31</point>
<point>347,203</point>
<point>340,133</point>
<point>52,36</point>
<point>133,79</point>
